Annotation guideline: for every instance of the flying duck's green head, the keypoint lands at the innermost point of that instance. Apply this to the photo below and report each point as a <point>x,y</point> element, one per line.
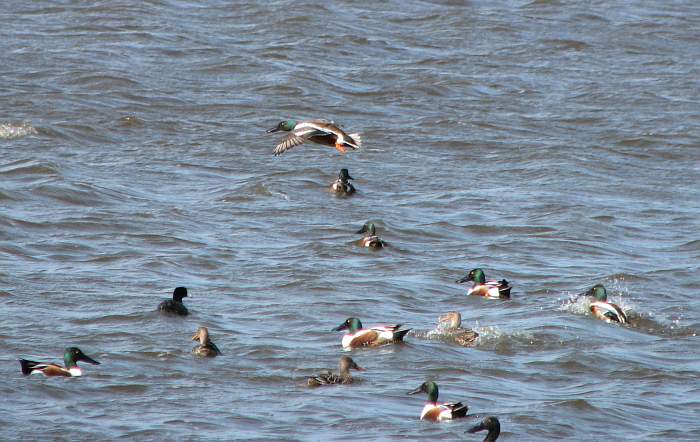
<point>598,292</point>
<point>285,125</point>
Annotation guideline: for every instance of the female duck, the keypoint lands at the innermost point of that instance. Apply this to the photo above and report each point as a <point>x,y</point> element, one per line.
<point>343,377</point>
<point>317,131</point>
<point>342,184</point>
<point>175,305</point>
<point>71,356</point>
<point>370,239</point>
<point>369,337</point>
<point>450,325</point>
<point>602,309</point>
<point>435,411</point>
<point>206,348</point>
<point>490,423</point>
<point>488,289</point>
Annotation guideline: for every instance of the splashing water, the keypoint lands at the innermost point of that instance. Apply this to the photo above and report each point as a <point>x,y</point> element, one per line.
<point>9,130</point>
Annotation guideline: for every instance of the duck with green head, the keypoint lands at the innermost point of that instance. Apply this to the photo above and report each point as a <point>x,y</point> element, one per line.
<point>488,289</point>
<point>175,306</point>
<point>342,184</point>
<point>369,337</point>
<point>436,411</point>
<point>343,377</point>
<point>317,131</point>
<point>71,356</point>
<point>489,423</point>
<point>370,239</point>
<point>601,308</point>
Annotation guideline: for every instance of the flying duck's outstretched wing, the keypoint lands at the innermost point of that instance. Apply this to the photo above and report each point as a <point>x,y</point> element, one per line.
<point>306,130</point>
<point>289,141</point>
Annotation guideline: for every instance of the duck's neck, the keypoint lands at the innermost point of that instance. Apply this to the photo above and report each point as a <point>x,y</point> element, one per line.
<point>492,435</point>
<point>432,393</point>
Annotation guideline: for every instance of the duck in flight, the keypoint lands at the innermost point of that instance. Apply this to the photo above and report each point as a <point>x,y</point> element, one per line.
<point>317,131</point>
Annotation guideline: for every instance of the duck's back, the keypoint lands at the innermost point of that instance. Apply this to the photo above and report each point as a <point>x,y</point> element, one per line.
<point>174,307</point>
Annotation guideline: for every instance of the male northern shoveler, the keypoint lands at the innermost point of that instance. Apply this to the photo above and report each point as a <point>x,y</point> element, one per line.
<point>175,305</point>
<point>450,325</point>
<point>369,337</point>
<point>206,348</point>
<point>435,411</point>
<point>343,377</point>
<point>71,356</point>
<point>342,184</point>
<point>317,131</point>
<point>370,239</point>
<point>602,309</point>
<point>490,423</point>
<point>487,289</point>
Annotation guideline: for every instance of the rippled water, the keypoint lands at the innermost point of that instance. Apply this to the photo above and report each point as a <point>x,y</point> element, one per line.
<point>552,143</point>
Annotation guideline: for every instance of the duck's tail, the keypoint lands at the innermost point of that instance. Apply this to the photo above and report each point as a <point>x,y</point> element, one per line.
<point>459,410</point>
<point>27,366</point>
<point>399,335</point>
<point>356,141</point>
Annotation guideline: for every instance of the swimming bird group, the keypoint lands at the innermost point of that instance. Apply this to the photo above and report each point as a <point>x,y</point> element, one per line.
<point>326,132</point>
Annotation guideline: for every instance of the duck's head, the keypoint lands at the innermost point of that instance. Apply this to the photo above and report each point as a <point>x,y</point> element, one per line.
<point>368,228</point>
<point>346,363</point>
<point>201,335</point>
<point>179,293</point>
<point>476,275</point>
<point>598,292</point>
<point>428,387</point>
<point>344,176</point>
<point>351,324</point>
<point>72,355</point>
<point>284,125</point>
<point>450,320</point>
<point>489,423</point>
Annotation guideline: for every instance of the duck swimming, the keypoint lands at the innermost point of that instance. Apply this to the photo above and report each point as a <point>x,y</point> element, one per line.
<point>342,184</point>
<point>450,325</point>
<point>206,348</point>
<point>488,289</point>
<point>369,337</point>
<point>71,356</point>
<point>343,377</point>
<point>435,411</point>
<point>175,305</point>
<point>370,239</point>
<point>317,131</point>
<point>602,309</point>
<point>490,423</point>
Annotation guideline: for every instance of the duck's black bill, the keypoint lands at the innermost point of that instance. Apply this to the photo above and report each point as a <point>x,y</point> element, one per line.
<point>340,327</point>
<point>274,129</point>
<point>476,428</point>
<point>417,390</point>
<point>463,280</point>
<point>88,359</point>
<point>362,230</point>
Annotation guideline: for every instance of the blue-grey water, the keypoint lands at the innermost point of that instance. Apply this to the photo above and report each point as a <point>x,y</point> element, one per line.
<point>553,143</point>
